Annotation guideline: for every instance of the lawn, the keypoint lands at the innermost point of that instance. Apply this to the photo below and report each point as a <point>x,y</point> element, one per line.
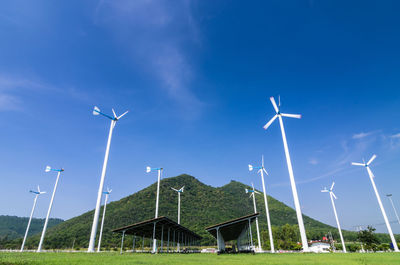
<point>7,258</point>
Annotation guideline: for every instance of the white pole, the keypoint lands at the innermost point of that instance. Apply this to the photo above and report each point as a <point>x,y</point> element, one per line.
<point>179,214</point>
<point>395,212</point>
<point>102,222</point>
<point>48,213</point>
<point>337,221</point>
<point>100,192</point>
<point>255,211</point>
<point>156,215</point>
<point>29,222</point>
<point>271,240</point>
<point>396,249</point>
<point>294,190</point>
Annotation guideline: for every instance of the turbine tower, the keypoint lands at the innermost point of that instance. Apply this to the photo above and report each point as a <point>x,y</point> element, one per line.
<point>104,215</point>
<point>179,206</point>
<point>48,169</point>
<point>279,115</point>
<point>371,177</point>
<point>395,212</point>
<point>96,111</point>
<point>262,170</point>
<point>332,195</point>
<point>159,170</point>
<point>252,193</point>
<point>37,193</point>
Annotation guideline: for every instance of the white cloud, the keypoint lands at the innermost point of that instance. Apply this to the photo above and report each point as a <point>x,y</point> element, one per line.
<point>362,135</point>
<point>313,161</point>
<point>395,136</point>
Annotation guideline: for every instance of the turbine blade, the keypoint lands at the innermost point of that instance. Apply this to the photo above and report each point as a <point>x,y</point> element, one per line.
<point>262,160</point>
<point>38,188</point>
<point>334,196</point>
<point>274,104</point>
<point>256,192</point>
<point>115,115</point>
<point>123,114</point>
<point>265,171</point>
<point>372,159</point>
<point>324,190</point>
<point>174,189</point>
<point>333,184</point>
<point>270,122</point>
<point>357,164</point>
<point>251,168</point>
<point>96,110</point>
<point>296,116</point>
<point>251,194</point>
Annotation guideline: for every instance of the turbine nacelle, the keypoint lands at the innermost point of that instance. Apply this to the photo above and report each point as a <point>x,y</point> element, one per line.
<point>149,169</point>
<point>330,190</point>
<point>279,114</point>
<point>48,169</point>
<point>365,164</point>
<point>180,190</point>
<point>96,111</point>
<point>108,191</point>
<point>38,192</point>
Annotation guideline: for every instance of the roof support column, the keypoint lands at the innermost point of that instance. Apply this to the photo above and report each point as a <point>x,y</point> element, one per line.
<point>134,242</point>
<point>122,241</point>
<point>162,238</point>
<point>154,239</point>
<point>168,240</point>
<point>251,236</point>
<point>142,244</point>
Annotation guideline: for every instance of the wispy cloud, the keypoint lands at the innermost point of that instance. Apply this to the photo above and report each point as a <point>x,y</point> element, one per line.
<point>313,161</point>
<point>167,32</point>
<point>362,135</point>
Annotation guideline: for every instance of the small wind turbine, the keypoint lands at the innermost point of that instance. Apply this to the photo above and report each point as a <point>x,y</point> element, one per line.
<point>159,170</point>
<point>371,177</point>
<point>252,193</point>
<point>279,115</point>
<point>96,111</point>
<point>104,215</point>
<point>48,169</point>
<point>179,205</point>
<point>332,195</point>
<point>262,170</point>
<point>390,199</point>
<point>37,193</point>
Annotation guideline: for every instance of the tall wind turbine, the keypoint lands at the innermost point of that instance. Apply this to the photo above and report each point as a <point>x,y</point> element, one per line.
<point>179,205</point>
<point>252,193</point>
<point>96,111</point>
<point>262,170</point>
<point>48,169</point>
<point>395,212</point>
<point>37,193</point>
<point>159,170</point>
<point>279,115</point>
<point>332,195</point>
<point>104,215</point>
<point>371,177</point>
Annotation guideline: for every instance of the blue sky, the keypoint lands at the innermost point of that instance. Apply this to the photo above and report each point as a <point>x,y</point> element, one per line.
<point>196,77</point>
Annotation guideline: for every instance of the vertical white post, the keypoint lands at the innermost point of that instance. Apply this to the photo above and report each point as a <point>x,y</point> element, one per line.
<point>271,240</point>
<point>100,191</point>
<point>389,228</point>
<point>29,222</point>
<point>179,208</point>
<point>338,224</point>
<point>102,223</point>
<point>395,212</point>
<point>134,243</point>
<point>122,242</point>
<point>48,213</point>
<point>156,215</point>
<point>294,190</point>
<point>251,235</point>
<point>154,238</point>
<point>255,211</point>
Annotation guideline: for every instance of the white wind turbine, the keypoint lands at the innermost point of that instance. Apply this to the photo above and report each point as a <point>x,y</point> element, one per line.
<point>107,193</point>
<point>159,170</point>
<point>179,206</point>
<point>332,195</point>
<point>391,201</point>
<point>37,193</point>
<point>371,177</point>
<point>262,170</point>
<point>252,193</point>
<point>96,111</point>
<point>48,169</point>
<point>279,115</point>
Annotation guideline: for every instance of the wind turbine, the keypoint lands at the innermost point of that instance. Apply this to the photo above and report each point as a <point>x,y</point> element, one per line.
<point>96,111</point>
<point>159,170</point>
<point>332,195</point>
<point>104,214</point>
<point>37,193</point>
<point>390,199</point>
<point>262,170</point>
<point>371,177</point>
<point>279,115</point>
<point>252,193</point>
<point>179,206</point>
<point>48,169</point>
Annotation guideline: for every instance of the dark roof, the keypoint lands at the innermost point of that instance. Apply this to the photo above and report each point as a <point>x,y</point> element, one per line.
<point>231,229</point>
<point>145,228</point>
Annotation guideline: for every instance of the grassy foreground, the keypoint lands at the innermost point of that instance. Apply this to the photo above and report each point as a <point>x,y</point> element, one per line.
<point>7,258</point>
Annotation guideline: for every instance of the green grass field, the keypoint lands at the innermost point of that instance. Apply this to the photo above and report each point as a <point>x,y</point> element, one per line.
<point>7,258</point>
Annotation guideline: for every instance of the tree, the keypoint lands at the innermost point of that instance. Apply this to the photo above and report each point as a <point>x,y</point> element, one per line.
<point>368,238</point>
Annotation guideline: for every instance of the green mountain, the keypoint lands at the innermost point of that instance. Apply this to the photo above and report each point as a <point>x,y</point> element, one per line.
<point>12,227</point>
<point>201,205</point>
